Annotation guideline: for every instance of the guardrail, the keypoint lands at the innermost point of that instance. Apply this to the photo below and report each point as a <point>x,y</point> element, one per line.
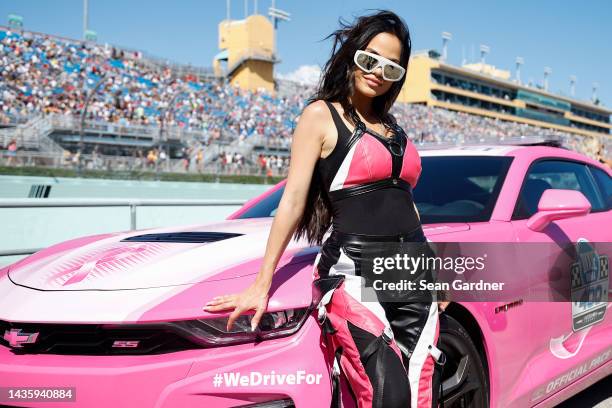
<point>102,203</point>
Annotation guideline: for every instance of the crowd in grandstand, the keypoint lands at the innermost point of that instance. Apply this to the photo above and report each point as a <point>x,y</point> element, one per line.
<point>427,124</point>
<point>41,74</point>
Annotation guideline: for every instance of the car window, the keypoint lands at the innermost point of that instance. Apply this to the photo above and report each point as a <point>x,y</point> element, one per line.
<point>604,182</point>
<point>467,192</point>
<point>558,174</point>
<point>459,188</point>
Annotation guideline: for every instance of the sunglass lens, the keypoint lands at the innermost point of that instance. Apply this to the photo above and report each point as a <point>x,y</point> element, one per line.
<point>366,62</point>
<point>393,73</point>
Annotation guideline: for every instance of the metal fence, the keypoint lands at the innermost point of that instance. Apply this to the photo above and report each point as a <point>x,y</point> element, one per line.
<point>130,164</point>
<point>36,134</point>
<point>72,123</point>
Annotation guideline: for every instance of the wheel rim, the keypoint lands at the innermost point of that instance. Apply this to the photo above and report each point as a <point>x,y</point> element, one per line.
<point>461,384</point>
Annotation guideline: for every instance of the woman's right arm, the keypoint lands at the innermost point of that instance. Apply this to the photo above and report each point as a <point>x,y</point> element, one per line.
<point>306,148</point>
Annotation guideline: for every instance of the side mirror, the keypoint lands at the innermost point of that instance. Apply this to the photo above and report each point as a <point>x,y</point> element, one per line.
<point>558,204</point>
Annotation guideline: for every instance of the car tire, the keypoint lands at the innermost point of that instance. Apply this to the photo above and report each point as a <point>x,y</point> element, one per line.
<point>464,377</point>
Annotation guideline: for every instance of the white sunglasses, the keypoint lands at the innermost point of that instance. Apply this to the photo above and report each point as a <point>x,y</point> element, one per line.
<point>368,62</point>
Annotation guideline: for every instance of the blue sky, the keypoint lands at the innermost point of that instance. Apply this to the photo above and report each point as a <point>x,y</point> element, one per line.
<point>573,38</point>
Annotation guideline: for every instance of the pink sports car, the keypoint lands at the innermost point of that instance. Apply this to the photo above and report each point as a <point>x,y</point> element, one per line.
<point>116,319</point>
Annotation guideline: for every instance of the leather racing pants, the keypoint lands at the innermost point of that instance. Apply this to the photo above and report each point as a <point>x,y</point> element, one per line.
<point>386,350</point>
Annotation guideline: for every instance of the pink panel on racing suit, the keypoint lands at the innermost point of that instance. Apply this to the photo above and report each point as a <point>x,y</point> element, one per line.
<point>411,165</point>
<point>369,160</point>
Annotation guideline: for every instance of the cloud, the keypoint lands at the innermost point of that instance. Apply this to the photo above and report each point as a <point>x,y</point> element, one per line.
<point>305,74</point>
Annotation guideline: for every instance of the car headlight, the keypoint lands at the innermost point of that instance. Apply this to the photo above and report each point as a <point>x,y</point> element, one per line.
<point>212,332</point>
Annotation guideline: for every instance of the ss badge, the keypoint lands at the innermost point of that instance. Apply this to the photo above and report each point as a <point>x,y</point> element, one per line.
<point>126,343</point>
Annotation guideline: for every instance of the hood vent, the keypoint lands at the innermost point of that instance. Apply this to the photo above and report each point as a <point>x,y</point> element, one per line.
<point>183,237</point>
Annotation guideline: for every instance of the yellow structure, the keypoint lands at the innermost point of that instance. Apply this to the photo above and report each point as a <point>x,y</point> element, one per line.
<point>247,47</point>
<point>486,91</point>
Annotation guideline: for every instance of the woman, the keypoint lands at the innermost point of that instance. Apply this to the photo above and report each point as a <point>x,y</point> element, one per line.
<point>350,183</point>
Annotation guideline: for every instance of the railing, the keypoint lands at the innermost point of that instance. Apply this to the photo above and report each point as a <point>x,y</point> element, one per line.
<point>72,123</point>
<point>34,133</point>
<point>139,165</point>
<point>103,203</point>
<point>276,143</point>
<point>252,54</point>
<point>31,135</point>
<point>12,120</point>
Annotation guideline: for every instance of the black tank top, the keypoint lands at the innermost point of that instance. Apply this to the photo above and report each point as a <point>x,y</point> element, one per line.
<point>369,179</point>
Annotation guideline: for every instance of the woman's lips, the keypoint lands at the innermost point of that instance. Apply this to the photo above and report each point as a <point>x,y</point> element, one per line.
<point>372,82</point>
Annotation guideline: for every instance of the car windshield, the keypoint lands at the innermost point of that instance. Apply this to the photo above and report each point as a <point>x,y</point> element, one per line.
<point>450,189</point>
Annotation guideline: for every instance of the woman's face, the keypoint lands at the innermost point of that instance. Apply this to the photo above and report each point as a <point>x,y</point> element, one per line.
<point>373,84</point>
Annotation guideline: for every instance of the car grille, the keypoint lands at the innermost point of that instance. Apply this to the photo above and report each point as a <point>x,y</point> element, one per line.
<point>96,339</point>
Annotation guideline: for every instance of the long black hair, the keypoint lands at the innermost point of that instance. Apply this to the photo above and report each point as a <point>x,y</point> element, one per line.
<point>336,84</point>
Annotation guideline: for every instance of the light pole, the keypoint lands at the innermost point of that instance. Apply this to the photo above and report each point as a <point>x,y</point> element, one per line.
<point>85,18</point>
<point>519,61</point>
<point>277,14</point>
<point>446,37</point>
<point>572,79</point>
<point>594,95</point>
<point>484,50</point>
<point>547,72</point>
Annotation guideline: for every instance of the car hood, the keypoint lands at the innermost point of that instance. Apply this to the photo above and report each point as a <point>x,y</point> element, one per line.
<point>163,257</point>
<point>154,258</point>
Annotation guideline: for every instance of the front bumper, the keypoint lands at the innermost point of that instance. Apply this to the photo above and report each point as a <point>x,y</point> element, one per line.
<point>292,367</point>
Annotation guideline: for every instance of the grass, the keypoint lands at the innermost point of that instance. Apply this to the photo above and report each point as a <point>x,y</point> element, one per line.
<point>138,175</point>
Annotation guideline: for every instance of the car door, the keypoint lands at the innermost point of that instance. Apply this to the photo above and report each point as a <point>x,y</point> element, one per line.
<point>564,345</point>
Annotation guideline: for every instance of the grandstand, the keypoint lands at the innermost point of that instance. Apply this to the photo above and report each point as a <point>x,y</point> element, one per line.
<point>63,98</point>
<point>480,89</point>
